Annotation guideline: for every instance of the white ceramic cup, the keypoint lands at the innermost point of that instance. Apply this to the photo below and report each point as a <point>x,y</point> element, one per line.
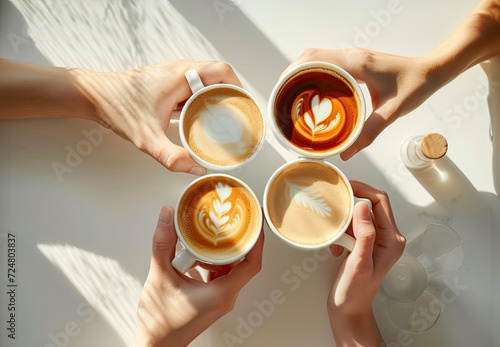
<point>198,88</point>
<point>341,238</point>
<point>312,66</point>
<point>188,256</point>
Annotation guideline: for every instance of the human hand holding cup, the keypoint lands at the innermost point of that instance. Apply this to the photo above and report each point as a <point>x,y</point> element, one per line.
<point>218,220</point>
<point>221,125</point>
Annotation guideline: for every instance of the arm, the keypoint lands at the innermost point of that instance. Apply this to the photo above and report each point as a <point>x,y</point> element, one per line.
<point>35,91</point>
<point>475,40</point>
<point>378,246</point>
<point>173,308</point>
<point>399,84</point>
<point>135,104</point>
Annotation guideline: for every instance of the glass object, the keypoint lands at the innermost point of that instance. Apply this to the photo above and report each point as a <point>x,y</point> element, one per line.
<point>411,306</point>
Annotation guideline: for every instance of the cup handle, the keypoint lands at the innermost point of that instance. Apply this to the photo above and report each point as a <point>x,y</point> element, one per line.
<point>194,80</point>
<point>347,241</point>
<point>183,261</point>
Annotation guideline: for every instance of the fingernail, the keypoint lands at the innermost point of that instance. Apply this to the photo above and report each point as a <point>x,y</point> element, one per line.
<point>363,211</point>
<point>197,170</point>
<point>165,216</point>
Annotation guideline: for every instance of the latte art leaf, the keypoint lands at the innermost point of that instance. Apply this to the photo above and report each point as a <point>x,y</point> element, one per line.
<point>308,198</point>
<point>223,191</point>
<point>217,225</point>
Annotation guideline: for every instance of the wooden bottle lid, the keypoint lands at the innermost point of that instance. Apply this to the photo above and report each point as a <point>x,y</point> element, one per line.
<point>433,146</point>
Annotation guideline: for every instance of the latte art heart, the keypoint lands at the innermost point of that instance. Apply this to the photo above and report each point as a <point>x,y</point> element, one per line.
<point>315,119</point>
<point>317,110</point>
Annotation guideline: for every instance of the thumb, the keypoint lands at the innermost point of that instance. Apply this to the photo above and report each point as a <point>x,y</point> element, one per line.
<point>173,157</point>
<point>364,232</point>
<point>373,126</point>
<point>164,238</point>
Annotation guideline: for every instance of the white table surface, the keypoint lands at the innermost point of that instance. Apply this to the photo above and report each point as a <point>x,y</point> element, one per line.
<point>109,204</point>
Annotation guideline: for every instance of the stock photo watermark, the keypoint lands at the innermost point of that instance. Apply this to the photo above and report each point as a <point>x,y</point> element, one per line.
<point>380,20</point>
<point>468,105</point>
<point>86,312</point>
<point>423,318</point>
<point>11,287</point>
<point>292,279</point>
<point>84,147</point>
<point>452,117</point>
<point>17,40</point>
<point>73,328</point>
<point>222,7</point>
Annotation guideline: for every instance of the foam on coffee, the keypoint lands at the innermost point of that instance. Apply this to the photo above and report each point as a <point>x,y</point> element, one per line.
<point>317,110</point>
<point>309,203</point>
<point>218,217</point>
<point>223,126</point>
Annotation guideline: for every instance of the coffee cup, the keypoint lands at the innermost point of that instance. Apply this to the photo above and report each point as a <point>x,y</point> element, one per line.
<point>316,110</point>
<point>309,205</point>
<point>221,125</point>
<point>218,220</point>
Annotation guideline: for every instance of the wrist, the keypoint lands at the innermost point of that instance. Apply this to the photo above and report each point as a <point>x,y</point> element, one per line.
<point>438,69</point>
<point>350,315</point>
<point>84,92</point>
<point>355,329</point>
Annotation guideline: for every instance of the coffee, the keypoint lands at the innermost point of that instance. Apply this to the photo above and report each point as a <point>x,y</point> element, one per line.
<point>317,110</point>
<point>218,217</point>
<point>309,203</point>
<point>223,126</point>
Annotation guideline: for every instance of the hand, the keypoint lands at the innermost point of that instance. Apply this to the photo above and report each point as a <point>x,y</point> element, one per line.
<point>137,104</point>
<point>379,244</point>
<point>173,308</point>
<point>397,85</point>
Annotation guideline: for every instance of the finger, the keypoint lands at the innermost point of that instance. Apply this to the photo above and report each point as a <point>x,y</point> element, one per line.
<point>245,270</point>
<point>382,209</point>
<point>333,56</point>
<point>336,250</point>
<point>218,72</point>
<point>364,232</point>
<point>173,157</point>
<point>164,240</point>
<point>215,271</point>
<point>223,271</point>
<point>373,126</point>
<point>210,73</point>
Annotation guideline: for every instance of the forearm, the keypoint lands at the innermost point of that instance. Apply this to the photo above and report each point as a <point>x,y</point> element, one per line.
<point>474,41</point>
<point>35,91</point>
<point>177,330</point>
<point>360,330</point>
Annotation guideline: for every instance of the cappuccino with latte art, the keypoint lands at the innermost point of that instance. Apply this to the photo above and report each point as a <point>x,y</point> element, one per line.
<point>317,110</point>
<point>221,125</point>
<point>218,217</point>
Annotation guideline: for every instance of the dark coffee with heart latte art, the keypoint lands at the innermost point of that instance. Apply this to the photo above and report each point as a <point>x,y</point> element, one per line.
<point>317,110</point>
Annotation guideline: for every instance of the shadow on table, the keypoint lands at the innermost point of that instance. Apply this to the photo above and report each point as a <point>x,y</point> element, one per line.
<point>126,177</point>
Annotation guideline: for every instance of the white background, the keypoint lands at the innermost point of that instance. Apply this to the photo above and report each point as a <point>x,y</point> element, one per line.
<point>109,204</point>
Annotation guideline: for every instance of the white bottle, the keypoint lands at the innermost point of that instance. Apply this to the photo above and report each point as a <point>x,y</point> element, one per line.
<point>425,157</point>
<point>420,152</point>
